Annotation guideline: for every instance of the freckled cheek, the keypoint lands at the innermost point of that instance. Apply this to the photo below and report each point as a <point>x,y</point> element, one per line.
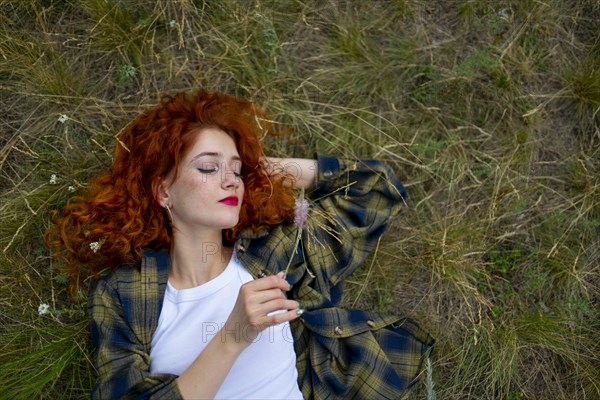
<point>202,182</point>
<point>195,192</point>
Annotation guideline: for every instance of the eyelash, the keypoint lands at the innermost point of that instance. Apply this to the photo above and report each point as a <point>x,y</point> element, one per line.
<point>209,171</point>
<point>215,170</point>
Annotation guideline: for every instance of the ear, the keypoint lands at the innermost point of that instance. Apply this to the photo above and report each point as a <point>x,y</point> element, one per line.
<point>160,190</point>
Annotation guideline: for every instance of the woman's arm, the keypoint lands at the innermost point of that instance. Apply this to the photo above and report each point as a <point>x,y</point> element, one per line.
<point>123,361</point>
<point>249,317</point>
<point>302,170</point>
<point>352,203</point>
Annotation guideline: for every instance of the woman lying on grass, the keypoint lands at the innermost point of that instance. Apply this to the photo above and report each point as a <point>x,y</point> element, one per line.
<point>213,282</point>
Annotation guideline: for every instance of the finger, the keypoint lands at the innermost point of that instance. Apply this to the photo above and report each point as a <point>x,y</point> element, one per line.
<point>268,282</point>
<point>277,305</point>
<point>275,319</point>
<point>288,286</point>
<point>264,296</point>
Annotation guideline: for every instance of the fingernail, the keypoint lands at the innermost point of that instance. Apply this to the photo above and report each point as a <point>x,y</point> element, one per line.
<point>300,311</point>
<point>299,305</point>
<point>289,286</point>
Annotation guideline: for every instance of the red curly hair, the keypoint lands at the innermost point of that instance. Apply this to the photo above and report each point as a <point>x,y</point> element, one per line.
<point>119,214</point>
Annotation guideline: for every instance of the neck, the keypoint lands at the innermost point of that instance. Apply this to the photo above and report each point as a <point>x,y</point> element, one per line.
<point>197,260</point>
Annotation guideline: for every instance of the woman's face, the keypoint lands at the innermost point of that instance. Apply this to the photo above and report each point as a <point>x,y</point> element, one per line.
<point>208,191</point>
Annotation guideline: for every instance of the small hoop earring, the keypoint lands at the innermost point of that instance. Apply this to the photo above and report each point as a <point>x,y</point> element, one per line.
<point>169,211</point>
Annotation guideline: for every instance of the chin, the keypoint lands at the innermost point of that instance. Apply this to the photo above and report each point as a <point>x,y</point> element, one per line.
<point>230,224</point>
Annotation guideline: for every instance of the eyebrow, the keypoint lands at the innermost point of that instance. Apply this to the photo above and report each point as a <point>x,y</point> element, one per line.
<point>213,154</point>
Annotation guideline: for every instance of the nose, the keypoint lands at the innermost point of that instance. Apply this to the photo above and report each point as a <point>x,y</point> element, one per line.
<point>229,177</point>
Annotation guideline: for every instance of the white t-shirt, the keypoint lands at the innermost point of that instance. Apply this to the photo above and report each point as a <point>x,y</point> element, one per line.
<point>190,318</point>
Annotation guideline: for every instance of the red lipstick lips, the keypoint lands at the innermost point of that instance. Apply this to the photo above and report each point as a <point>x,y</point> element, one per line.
<point>230,201</point>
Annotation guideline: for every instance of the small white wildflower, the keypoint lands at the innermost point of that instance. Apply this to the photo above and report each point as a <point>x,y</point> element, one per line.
<point>172,23</point>
<point>43,309</point>
<point>95,246</point>
<point>504,14</point>
<point>53,179</point>
<point>71,189</point>
<point>63,118</point>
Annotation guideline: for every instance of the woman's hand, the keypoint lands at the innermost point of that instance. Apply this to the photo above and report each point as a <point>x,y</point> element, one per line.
<point>303,171</point>
<point>256,309</point>
<point>253,311</point>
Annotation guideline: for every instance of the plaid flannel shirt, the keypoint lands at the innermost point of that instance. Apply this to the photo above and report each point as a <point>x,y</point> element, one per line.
<point>341,353</point>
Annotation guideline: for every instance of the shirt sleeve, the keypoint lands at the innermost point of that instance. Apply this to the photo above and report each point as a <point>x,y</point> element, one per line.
<point>122,361</point>
<point>352,204</point>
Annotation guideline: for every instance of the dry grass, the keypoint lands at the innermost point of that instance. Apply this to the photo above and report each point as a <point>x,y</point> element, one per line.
<point>489,112</point>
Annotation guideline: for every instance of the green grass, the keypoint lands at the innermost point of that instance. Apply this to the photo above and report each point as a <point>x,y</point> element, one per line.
<point>489,111</point>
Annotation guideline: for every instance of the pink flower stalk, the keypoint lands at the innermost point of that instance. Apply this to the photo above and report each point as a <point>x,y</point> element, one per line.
<point>300,217</point>
<point>301,213</point>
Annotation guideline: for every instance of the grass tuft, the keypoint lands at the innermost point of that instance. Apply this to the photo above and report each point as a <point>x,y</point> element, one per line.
<point>582,83</point>
<point>53,362</point>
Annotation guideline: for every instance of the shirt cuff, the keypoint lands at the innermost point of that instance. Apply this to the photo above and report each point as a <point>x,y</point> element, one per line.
<point>329,168</point>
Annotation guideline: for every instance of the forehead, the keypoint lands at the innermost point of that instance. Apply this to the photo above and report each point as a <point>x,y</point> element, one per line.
<point>213,141</point>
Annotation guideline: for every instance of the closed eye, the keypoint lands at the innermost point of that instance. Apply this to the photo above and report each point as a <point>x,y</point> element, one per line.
<point>211,170</point>
<point>215,169</point>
